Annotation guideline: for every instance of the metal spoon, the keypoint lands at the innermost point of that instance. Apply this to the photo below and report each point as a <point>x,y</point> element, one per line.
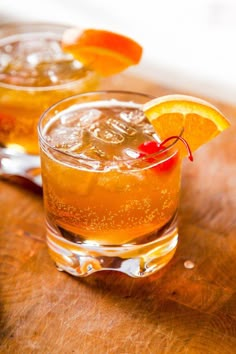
<point>23,171</point>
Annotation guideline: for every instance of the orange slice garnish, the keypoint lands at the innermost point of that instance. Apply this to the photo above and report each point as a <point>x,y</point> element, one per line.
<point>105,52</point>
<point>195,119</point>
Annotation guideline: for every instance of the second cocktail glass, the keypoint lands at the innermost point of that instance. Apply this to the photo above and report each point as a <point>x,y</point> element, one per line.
<point>34,74</point>
<point>108,206</point>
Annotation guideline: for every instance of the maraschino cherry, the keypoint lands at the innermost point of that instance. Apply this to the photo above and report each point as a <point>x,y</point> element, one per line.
<point>152,147</point>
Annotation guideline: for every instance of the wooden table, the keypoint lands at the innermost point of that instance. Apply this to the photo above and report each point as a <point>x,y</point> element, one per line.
<point>178,310</point>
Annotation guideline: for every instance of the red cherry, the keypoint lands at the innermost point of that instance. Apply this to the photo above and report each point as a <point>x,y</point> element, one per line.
<point>152,147</point>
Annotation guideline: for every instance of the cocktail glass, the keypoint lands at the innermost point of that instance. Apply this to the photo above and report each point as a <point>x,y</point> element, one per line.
<point>34,74</point>
<point>108,206</point>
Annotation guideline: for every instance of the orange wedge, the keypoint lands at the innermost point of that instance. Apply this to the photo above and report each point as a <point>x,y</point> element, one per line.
<point>105,52</point>
<point>195,119</point>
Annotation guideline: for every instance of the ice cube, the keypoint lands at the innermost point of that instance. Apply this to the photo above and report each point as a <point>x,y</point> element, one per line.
<point>106,135</point>
<point>135,116</point>
<point>70,119</point>
<point>40,50</point>
<point>33,59</point>
<point>148,129</point>
<point>60,71</point>
<point>90,117</point>
<point>121,127</point>
<point>130,153</point>
<point>5,60</point>
<point>64,138</point>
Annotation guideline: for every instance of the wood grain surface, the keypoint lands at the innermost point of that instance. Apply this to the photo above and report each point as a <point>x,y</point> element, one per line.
<point>178,310</point>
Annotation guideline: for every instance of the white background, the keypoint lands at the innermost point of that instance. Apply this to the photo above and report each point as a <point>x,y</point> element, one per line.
<point>187,44</point>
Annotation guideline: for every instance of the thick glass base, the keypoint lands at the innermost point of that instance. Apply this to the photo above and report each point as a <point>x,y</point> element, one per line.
<point>83,259</point>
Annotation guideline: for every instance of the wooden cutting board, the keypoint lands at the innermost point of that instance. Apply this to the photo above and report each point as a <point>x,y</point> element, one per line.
<point>185,308</point>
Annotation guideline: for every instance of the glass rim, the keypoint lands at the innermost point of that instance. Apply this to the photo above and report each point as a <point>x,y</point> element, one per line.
<point>108,162</point>
<point>13,24</point>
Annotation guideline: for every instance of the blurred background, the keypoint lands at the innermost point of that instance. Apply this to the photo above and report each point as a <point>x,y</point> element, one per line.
<point>187,44</point>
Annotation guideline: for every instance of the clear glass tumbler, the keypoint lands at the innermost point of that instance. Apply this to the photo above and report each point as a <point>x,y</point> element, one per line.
<point>108,206</point>
<point>34,74</point>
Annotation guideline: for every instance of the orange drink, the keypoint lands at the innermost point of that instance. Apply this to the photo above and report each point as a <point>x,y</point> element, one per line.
<point>110,200</point>
<point>34,74</point>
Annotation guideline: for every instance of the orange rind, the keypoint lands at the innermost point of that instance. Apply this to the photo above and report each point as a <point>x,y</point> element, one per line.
<point>105,52</point>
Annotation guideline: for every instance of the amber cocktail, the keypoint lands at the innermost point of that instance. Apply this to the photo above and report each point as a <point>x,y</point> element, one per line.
<point>109,205</point>
<point>34,74</point>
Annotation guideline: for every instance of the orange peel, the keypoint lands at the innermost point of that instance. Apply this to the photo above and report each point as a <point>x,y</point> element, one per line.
<point>106,52</point>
